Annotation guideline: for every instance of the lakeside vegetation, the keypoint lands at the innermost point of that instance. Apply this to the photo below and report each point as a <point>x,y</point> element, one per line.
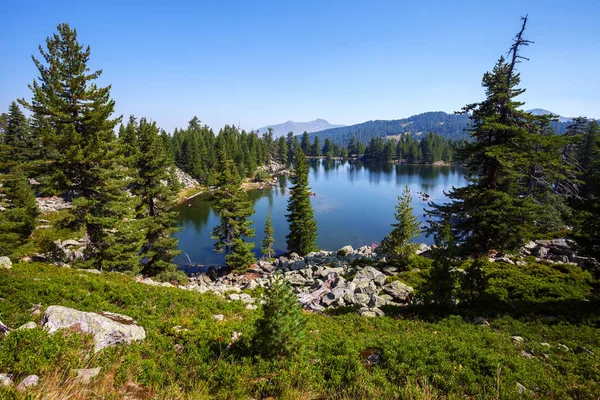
<point>475,328</point>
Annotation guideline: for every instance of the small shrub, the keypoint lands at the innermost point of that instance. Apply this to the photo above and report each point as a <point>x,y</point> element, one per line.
<point>280,330</point>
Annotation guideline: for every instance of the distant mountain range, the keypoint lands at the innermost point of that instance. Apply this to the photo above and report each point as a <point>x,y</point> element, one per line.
<point>451,126</point>
<point>541,111</point>
<point>298,127</point>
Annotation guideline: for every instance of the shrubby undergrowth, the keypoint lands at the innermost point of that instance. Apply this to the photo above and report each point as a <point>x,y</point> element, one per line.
<point>422,351</point>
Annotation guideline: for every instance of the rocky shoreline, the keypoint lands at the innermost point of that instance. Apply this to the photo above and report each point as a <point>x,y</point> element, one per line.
<point>352,277</point>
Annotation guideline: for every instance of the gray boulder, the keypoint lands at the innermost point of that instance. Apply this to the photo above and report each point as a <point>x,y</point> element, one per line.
<point>368,274</point>
<point>108,329</point>
<point>398,290</point>
<point>5,263</point>
<point>31,380</point>
<point>29,325</point>
<point>6,380</point>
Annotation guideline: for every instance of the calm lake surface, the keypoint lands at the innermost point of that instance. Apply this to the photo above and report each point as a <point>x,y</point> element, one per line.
<point>354,204</point>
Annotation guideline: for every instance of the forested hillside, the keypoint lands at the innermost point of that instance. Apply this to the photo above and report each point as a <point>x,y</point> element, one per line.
<point>449,126</point>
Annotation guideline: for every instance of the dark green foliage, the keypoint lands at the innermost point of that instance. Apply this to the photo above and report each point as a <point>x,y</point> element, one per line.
<point>16,145</point>
<point>281,328</point>
<point>88,165</point>
<point>302,237</point>
<point>441,281</point>
<point>588,152</point>
<point>233,207</point>
<point>267,243</point>
<point>514,163</point>
<point>155,210</point>
<point>18,212</point>
<point>398,245</point>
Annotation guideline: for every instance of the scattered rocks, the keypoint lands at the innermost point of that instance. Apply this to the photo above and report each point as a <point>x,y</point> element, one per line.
<point>321,280</point>
<point>85,375</point>
<point>219,317</point>
<point>108,329</point>
<point>558,250</point>
<point>30,381</point>
<point>5,263</point>
<point>52,204</point>
<point>521,389</point>
<point>185,180</point>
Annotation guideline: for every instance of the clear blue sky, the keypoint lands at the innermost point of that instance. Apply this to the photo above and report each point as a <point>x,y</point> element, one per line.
<point>264,62</point>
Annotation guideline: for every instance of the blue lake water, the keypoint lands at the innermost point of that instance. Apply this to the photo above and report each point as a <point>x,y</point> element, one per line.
<point>354,204</point>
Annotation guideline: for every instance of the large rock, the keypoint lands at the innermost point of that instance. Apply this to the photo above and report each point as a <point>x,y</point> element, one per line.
<point>398,290</point>
<point>368,274</point>
<point>108,329</point>
<point>5,263</point>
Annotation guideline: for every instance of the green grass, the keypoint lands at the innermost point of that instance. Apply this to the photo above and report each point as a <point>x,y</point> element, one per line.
<point>426,353</point>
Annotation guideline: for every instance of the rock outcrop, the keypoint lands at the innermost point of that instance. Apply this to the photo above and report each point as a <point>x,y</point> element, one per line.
<point>108,329</point>
<point>185,180</point>
<point>52,204</point>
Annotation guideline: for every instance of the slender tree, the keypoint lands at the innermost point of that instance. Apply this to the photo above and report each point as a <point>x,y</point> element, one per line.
<point>398,243</point>
<point>234,208</point>
<point>267,243</point>
<point>157,196</point>
<point>302,238</point>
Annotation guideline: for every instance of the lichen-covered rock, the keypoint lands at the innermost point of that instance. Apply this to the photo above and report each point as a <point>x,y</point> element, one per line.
<point>108,329</point>
<point>5,263</point>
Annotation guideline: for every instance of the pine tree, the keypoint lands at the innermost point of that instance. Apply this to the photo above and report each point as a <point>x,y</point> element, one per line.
<point>267,243</point>
<point>514,164</point>
<point>305,144</point>
<point>18,210</point>
<point>16,143</point>
<point>233,207</point>
<point>280,329</point>
<point>88,165</point>
<point>316,147</point>
<point>397,245</point>
<point>153,187</point>
<point>302,238</point>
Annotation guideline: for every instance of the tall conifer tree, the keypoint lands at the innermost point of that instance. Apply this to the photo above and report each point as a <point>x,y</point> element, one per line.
<point>157,198</point>
<point>87,164</point>
<point>513,164</point>
<point>302,237</point>
<point>267,243</point>
<point>234,208</point>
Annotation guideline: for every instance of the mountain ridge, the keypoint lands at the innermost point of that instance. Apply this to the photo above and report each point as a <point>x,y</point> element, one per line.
<point>298,128</point>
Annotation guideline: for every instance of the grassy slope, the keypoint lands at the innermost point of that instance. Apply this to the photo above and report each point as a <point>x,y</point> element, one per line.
<point>425,355</point>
